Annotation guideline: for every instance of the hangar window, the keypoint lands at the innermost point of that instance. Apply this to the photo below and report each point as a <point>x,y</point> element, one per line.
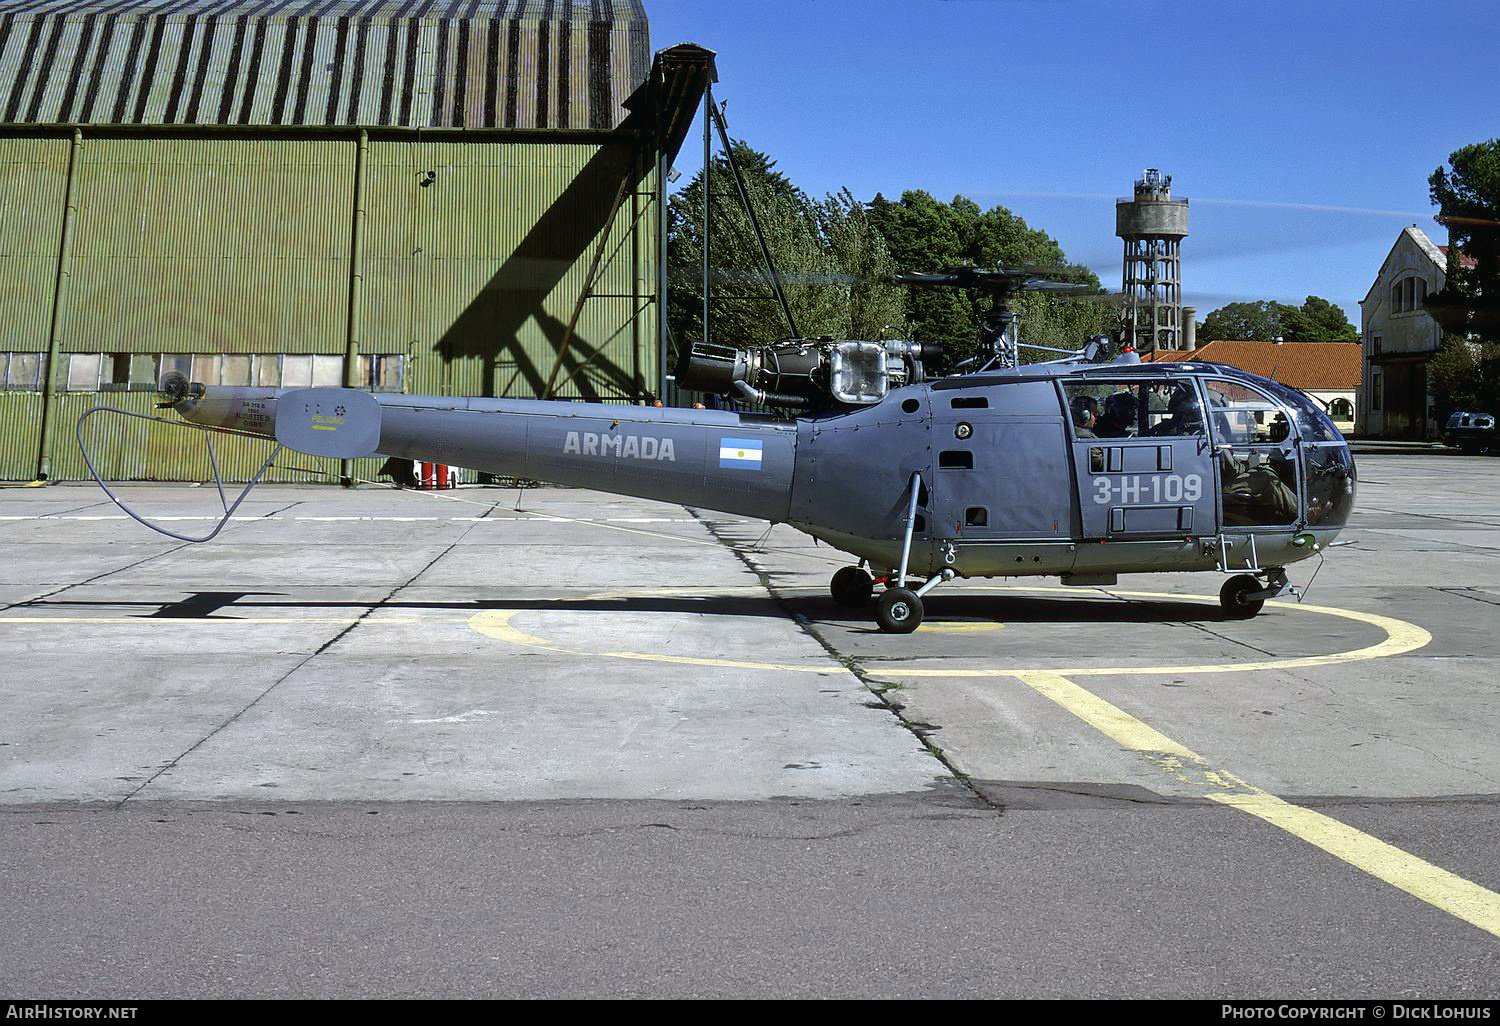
<point>296,371</point>
<point>21,371</point>
<point>206,367</point>
<point>328,371</point>
<point>381,373</point>
<point>181,363</point>
<point>83,371</point>
<point>236,370</point>
<point>268,371</point>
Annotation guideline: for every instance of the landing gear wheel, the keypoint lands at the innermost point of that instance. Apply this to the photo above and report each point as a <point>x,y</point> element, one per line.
<point>899,611</point>
<point>852,586</point>
<point>1232,597</point>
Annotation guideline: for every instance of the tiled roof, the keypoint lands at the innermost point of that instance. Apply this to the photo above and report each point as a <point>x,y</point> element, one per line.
<point>1313,366</point>
<point>1465,260</point>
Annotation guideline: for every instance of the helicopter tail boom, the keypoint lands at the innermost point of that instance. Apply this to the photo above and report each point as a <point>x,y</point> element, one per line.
<point>706,458</point>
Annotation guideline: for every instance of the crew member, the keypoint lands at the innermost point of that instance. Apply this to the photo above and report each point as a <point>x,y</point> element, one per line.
<point>1085,412</point>
<point>1119,418</point>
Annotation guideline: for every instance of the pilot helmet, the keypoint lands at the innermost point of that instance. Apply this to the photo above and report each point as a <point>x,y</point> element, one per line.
<point>1121,407</point>
<point>1085,409</point>
<point>1184,405</point>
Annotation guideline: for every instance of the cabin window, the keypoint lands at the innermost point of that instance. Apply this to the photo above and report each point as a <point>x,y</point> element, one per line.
<point>1165,406</point>
<point>1242,415</point>
<point>956,459</point>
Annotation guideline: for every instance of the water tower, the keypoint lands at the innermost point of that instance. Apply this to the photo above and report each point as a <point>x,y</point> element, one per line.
<point>1153,225</point>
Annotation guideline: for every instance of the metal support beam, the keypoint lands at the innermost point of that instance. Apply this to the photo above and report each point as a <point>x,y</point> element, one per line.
<point>59,310</point>
<point>708,163</point>
<point>911,522</point>
<point>356,286</point>
<point>588,285</point>
<point>760,236</point>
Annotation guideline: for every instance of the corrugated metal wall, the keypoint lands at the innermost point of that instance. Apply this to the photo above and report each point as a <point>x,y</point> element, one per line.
<point>211,245</point>
<point>33,176</point>
<point>482,268</point>
<point>190,243</point>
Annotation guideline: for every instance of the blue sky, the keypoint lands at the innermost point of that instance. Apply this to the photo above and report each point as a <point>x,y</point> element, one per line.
<point>1302,133</point>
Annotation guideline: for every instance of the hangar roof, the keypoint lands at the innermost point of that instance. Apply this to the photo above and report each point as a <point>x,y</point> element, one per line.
<point>528,64</point>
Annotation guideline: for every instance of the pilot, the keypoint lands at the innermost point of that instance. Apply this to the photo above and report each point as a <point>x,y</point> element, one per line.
<point>1186,416</point>
<point>1085,412</point>
<point>1119,419</point>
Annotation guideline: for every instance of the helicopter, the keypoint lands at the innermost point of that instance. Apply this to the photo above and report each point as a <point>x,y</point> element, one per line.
<point>1085,467</point>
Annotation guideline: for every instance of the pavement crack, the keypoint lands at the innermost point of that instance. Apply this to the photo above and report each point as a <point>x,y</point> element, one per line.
<point>1469,593</point>
<point>342,633</point>
<point>921,731</point>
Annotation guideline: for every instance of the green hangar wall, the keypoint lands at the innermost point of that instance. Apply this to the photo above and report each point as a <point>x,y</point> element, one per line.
<point>436,198</point>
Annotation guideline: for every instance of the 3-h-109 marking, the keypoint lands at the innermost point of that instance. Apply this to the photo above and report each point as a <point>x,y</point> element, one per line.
<point>1137,488</point>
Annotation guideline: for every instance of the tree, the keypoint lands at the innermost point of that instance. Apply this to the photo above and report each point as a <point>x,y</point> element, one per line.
<point>1468,197</point>
<point>924,234</point>
<point>1465,371</point>
<point>1259,321</point>
<point>1316,320</point>
<point>834,266</point>
<point>1465,375</point>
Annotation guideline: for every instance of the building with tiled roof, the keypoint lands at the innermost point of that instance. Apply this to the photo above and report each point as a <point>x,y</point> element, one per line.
<point>1327,371</point>
<point>1399,338</point>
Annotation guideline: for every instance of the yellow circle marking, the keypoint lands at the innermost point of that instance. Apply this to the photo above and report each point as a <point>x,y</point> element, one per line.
<point>1400,637</point>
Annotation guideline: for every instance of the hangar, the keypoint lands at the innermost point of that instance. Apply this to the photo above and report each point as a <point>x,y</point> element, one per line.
<point>427,196</point>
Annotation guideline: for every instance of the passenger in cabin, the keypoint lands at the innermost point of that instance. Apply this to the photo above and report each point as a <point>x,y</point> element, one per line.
<point>1119,419</point>
<point>1085,412</point>
<point>1185,414</point>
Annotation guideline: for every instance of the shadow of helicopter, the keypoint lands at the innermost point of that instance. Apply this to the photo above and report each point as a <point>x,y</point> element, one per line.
<point>820,608</point>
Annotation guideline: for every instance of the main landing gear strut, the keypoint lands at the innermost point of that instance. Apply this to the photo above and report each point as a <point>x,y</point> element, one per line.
<point>899,609</point>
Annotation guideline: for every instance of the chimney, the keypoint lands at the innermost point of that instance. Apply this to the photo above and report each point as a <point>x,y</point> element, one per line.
<point>1189,329</point>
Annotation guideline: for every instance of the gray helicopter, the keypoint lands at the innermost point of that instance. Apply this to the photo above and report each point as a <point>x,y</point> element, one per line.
<point>1084,468</point>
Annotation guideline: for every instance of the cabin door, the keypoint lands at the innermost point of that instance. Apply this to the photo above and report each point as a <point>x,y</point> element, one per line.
<point>1144,460</point>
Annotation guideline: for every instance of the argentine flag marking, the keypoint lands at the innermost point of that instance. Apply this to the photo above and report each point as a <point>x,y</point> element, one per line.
<point>739,453</point>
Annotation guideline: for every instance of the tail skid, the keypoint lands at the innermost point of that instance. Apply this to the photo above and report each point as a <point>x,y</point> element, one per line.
<point>213,460</point>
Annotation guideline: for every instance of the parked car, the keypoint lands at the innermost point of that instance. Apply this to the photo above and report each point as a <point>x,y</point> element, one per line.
<point>1472,432</point>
